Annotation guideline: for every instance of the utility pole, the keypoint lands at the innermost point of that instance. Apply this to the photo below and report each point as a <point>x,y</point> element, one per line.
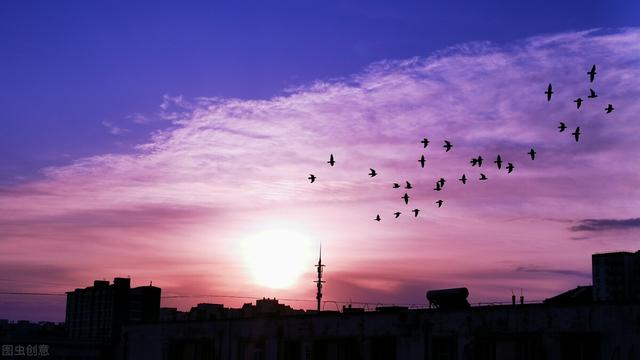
<point>319,282</point>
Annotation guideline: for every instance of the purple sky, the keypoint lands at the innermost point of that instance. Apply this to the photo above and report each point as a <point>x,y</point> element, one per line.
<point>177,208</point>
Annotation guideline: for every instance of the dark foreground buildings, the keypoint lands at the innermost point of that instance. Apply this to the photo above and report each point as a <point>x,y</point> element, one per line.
<point>599,321</point>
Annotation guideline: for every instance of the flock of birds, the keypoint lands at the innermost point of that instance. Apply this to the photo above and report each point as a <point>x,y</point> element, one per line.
<point>477,161</point>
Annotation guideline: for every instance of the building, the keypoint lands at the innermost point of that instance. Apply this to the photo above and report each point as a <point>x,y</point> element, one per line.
<point>616,276</point>
<point>100,311</point>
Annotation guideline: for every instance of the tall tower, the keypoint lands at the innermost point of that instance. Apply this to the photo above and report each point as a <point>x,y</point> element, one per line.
<point>319,282</point>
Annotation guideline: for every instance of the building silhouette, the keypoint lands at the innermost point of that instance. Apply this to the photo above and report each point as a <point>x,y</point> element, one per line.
<point>100,311</point>
<point>616,276</point>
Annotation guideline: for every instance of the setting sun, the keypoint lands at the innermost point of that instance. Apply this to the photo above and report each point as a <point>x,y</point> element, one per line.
<point>277,257</point>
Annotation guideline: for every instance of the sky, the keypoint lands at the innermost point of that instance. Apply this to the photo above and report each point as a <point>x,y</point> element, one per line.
<point>172,143</point>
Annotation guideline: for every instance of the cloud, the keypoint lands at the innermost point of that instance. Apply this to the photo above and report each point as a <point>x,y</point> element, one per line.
<point>224,167</point>
<point>553,271</point>
<point>114,129</point>
<point>606,224</point>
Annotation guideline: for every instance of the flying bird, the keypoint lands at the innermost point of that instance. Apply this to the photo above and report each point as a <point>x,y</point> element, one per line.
<point>447,145</point>
<point>415,212</point>
<point>578,102</point>
<point>549,92</point>
<point>438,187</point>
<point>331,161</point>
<point>463,179</point>
<point>408,186</point>
<point>439,202</point>
<point>425,142</point>
<point>422,161</point>
<point>312,178</point>
<point>441,182</point>
<point>562,126</point>
<point>609,108</point>
<point>476,161</point>
<point>406,198</point>
<point>483,176</point>
<point>498,162</point>
<point>372,173</point>
<point>397,214</point>
<point>510,167</point>
<point>592,94</point>
<point>576,134</point>
<point>377,218</point>
<point>396,185</point>
<point>592,73</point>
<point>532,153</point>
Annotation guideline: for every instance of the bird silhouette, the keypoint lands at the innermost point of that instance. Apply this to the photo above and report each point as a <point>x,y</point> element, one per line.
<point>372,173</point>
<point>406,198</point>
<point>312,178</point>
<point>397,214</point>
<point>483,176</point>
<point>438,187</point>
<point>463,179</point>
<point>549,92</point>
<point>377,218</point>
<point>422,161</point>
<point>425,142</point>
<point>331,161</point>
<point>447,145</point>
<point>592,94</point>
<point>408,186</point>
<point>576,134</point>
<point>476,161</point>
<point>415,212</point>
<point>439,202</point>
<point>578,102</point>
<point>396,185</point>
<point>532,153</point>
<point>592,73</point>
<point>498,162</point>
<point>510,167</point>
<point>609,108</point>
<point>441,182</point>
<point>562,126</point>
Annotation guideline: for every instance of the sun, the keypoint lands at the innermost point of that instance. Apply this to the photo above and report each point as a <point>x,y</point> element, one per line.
<point>277,257</point>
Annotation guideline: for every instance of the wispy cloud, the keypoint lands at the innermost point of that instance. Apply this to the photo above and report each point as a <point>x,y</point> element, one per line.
<point>113,128</point>
<point>606,224</point>
<point>224,167</point>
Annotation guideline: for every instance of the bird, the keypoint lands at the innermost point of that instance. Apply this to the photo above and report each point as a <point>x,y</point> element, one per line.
<point>406,198</point>
<point>439,202</point>
<point>477,161</point>
<point>312,178</point>
<point>441,182</point>
<point>592,94</point>
<point>510,167</point>
<point>576,134</point>
<point>463,179</point>
<point>425,142</point>
<point>562,126</point>
<point>372,173</point>
<point>438,187</point>
<point>408,186</point>
<point>532,153</point>
<point>447,145</point>
<point>415,212</point>
<point>592,73</point>
<point>549,92</point>
<point>377,218</point>
<point>396,185</point>
<point>609,108</point>
<point>498,162</point>
<point>422,161</point>
<point>331,161</point>
<point>483,176</point>
<point>578,102</point>
<point>397,214</point>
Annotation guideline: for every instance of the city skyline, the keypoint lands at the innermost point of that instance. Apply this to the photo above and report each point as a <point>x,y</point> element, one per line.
<point>205,191</point>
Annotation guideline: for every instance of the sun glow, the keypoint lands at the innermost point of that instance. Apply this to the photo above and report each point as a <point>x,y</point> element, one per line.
<point>277,257</point>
